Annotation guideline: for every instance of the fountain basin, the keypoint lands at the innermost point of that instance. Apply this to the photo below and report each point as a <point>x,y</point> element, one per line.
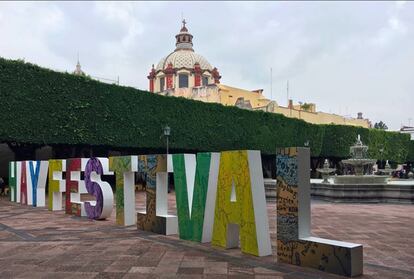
<point>395,191</point>
<point>391,192</point>
<point>360,179</point>
<point>361,162</point>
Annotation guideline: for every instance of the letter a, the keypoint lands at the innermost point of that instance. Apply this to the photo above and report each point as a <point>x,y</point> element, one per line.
<point>241,216</point>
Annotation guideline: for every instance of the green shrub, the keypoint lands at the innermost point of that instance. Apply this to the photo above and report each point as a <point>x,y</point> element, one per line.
<point>40,106</point>
<point>410,156</point>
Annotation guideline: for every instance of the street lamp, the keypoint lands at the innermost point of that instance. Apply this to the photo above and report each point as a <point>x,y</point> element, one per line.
<point>167,132</point>
<point>381,156</point>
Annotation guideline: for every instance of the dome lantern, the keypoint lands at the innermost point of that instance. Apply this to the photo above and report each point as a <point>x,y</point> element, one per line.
<point>184,40</point>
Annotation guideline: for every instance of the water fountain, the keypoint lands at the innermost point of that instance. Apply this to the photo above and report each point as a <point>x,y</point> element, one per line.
<point>387,170</point>
<point>358,161</point>
<point>361,187</point>
<point>325,171</point>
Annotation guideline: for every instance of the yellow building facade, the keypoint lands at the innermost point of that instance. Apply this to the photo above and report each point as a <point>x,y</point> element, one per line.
<point>183,73</point>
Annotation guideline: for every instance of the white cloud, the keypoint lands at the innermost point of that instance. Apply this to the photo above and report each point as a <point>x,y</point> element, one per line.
<point>394,27</point>
<point>26,29</point>
<point>123,14</point>
<point>400,4</point>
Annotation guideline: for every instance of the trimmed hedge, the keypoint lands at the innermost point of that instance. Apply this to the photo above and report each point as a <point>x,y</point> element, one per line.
<point>338,138</point>
<point>40,106</point>
<point>410,156</point>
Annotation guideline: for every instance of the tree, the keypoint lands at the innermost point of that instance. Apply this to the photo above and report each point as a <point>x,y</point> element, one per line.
<point>306,106</point>
<point>380,125</point>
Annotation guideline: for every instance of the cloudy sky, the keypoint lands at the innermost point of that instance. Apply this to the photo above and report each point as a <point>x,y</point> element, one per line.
<point>344,56</point>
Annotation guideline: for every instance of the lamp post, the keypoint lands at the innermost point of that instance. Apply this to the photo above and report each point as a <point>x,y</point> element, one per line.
<point>382,158</point>
<point>306,144</point>
<point>167,132</point>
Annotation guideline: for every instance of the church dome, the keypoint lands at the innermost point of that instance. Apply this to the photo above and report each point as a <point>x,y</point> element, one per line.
<point>184,59</point>
<point>182,68</point>
<point>183,56</point>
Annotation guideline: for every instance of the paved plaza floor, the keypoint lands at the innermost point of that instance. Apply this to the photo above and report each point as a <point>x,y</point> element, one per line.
<point>37,243</point>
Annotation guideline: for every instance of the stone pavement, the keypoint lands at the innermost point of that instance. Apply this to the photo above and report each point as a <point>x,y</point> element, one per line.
<point>37,243</point>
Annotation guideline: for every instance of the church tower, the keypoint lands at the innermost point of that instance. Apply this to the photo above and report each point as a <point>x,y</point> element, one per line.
<point>78,71</point>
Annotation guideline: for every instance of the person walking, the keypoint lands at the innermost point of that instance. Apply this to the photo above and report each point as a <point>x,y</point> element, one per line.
<point>2,187</point>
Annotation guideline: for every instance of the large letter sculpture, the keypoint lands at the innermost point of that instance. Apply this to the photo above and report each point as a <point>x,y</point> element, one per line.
<point>240,213</point>
<point>124,168</point>
<point>12,181</point>
<point>74,187</point>
<point>156,218</point>
<point>57,185</point>
<point>101,208</point>
<point>191,181</point>
<point>24,192</point>
<point>295,245</point>
<point>36,181</point>
<point>18,180</point>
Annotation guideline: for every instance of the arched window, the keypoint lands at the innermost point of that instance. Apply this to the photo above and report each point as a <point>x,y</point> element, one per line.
<point>205,80</point>
<point>162,84</point>
<point>182,80</point>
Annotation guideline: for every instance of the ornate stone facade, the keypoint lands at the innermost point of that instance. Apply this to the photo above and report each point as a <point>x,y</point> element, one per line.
<point>182,68</point>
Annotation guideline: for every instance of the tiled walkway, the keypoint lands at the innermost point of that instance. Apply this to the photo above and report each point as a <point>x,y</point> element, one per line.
<point>37,243</point>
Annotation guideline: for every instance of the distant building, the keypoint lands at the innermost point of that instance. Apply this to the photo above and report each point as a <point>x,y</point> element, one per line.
<point>78,71</point>
<point>184,73</point>
<point>408,130</point>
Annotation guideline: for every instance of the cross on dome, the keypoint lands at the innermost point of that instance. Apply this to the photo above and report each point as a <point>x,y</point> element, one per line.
<point>184,28</point>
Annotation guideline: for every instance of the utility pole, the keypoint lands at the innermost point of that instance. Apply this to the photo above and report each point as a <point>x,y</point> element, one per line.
<point>271,84</point>
<point>287,91</point>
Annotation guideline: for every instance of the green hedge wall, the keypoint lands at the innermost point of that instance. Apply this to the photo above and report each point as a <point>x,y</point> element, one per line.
<point>410,156</point>
<point>338,138</point>
<point>40,106</point>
